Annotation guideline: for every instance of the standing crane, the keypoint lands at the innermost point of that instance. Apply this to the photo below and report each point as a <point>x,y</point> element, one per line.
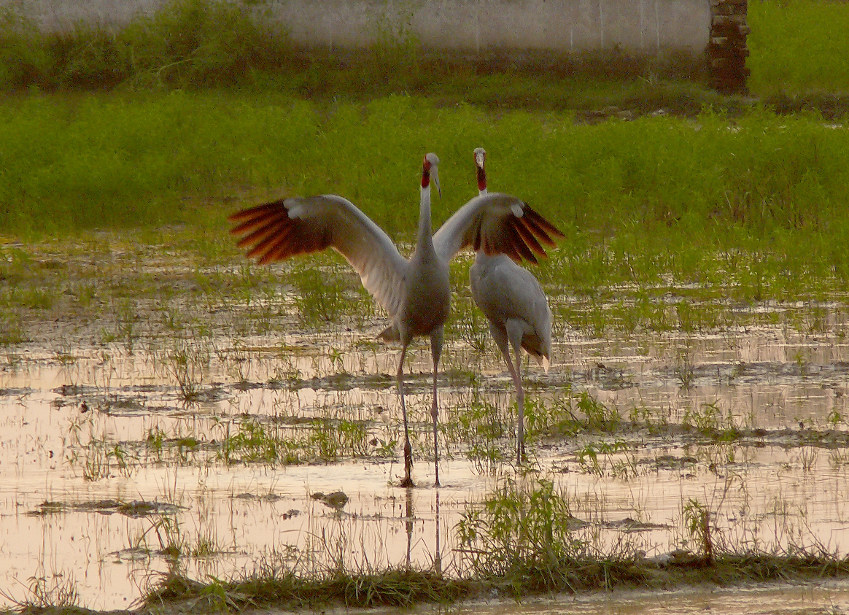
<point>514,303</point>
<point>415,292</point>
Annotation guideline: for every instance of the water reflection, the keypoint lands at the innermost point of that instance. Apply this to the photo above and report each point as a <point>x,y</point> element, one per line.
<point>83,437</point>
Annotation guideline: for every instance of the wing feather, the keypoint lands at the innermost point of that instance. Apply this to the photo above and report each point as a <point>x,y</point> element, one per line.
<point>519,244</point>
<point>286,228</point>
<point>542,228</point>
<point>260,234</point>
<point>527,234</point>
<point>496,223</point>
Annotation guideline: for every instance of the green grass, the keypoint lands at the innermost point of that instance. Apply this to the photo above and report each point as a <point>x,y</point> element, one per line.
<point>798,47</point>
<point>753,204</point>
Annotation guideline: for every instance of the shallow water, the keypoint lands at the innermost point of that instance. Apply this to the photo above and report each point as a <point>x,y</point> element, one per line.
<point>112,454</point>
<point>785,599</point>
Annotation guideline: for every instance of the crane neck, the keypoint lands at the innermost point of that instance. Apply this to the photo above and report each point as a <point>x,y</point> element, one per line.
<point>424,240</point>
<point>482,257</point>
<point>481,181</point>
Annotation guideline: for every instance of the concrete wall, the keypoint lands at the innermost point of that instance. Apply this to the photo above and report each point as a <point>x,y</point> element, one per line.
<point>645,26</point>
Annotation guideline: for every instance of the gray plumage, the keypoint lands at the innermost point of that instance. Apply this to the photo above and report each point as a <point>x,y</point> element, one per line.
<point>514,303</point>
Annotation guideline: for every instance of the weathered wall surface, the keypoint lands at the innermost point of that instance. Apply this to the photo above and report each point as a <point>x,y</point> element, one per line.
<point>644,26</point>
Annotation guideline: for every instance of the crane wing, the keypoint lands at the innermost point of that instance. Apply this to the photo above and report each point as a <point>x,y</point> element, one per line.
<point>496,223</point>
<point>285,228</point>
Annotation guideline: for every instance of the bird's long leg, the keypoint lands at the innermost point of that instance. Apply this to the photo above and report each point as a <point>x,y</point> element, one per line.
<point>520,404</point>
<point>513,336</point>
<point>408,449</point>
<point>520,399</point>
<point>436,351</point>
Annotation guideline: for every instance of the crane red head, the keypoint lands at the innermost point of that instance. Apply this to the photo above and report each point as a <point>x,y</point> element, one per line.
<point>430,171</point>
<point>480,161</point>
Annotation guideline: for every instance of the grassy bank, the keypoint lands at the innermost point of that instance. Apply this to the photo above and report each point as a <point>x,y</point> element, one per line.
<point>403,588</point>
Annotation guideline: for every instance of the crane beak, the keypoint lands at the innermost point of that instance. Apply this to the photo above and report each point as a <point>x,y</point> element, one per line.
<point>434,177</point>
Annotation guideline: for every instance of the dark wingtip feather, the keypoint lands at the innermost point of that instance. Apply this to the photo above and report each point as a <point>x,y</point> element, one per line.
<point>263,230</point>
<point>547,226</point>
<point>519,244</point>
<point>539,227</point>
<point>262,233</point>
<point>527,235</point>
<point>253,212</point>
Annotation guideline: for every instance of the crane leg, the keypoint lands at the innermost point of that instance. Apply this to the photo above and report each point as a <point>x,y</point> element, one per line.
<point>436,351</point>
<point>408,449</point>
<point>513,336</point>
<point>520,405</point>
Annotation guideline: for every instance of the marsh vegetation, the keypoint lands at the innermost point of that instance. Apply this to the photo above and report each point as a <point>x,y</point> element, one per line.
<point>184,428</point>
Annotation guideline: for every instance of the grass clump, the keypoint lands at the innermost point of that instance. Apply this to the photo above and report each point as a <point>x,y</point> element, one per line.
<point>255,442</point>
<point>57,594</point>
<point>317,439</point>
<point>209,42</point>
<point>521,533</point>
<point>709,420</point>
<point>570,414</point>
<point>285,589</point>
<point>522,540</point>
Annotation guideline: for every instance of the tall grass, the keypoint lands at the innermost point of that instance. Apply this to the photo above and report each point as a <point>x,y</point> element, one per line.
<point>183,141</point>
<point>798,47</point>
<point>637,200</point>
<point>202,43</point>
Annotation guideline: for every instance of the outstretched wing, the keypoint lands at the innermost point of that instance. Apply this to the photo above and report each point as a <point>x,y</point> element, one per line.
<point>282,229</point>
<point>496,223</point>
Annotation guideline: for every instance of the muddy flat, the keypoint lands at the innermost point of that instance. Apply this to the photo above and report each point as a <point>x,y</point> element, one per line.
<point>164,412</point>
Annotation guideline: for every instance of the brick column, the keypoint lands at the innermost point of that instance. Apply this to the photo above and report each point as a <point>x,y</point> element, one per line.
<point>727,49</point>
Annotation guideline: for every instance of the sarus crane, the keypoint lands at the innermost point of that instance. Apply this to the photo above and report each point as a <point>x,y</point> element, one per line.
<point>514,303</point>
<point>415,292</point>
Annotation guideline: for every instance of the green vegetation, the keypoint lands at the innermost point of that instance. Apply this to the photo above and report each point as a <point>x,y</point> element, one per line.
<point>284,589</point>
<point>753,206</point>
<point>524,539</point>
<point>208,42</point>
<point>798,48</point>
